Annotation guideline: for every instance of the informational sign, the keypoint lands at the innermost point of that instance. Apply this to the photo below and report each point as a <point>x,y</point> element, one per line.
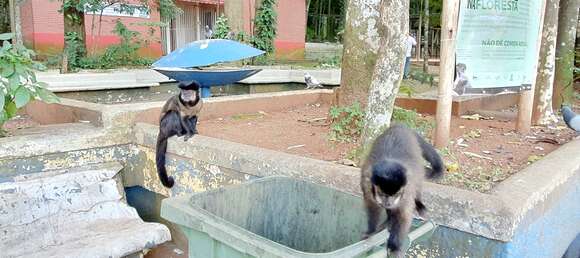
<point>123,10</point>
<point>497,45</point>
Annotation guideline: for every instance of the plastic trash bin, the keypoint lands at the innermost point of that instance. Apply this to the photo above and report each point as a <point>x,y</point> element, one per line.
<point>276,217</point>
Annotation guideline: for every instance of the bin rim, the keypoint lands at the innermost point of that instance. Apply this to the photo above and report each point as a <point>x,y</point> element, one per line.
<point>246,241</point>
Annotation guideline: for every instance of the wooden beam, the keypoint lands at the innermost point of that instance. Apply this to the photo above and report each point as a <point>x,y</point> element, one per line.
<point>449,19</point>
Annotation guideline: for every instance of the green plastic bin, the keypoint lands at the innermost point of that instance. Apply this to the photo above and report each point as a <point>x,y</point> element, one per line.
<point>277,217</point>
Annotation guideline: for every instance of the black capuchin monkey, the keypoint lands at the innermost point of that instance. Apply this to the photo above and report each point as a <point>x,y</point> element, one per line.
<point>178,117</point>
<point>392,178</point>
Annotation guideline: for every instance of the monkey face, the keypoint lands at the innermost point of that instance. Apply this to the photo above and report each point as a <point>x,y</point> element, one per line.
<point>389,180</point>
<point>188,95</point>
<point>387,201</point>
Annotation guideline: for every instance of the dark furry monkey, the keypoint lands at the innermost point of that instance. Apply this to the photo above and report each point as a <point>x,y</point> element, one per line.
<point>391,179</point>
<point>178,117</point>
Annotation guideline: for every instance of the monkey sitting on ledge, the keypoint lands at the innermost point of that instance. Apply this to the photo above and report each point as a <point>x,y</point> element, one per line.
<point>178,117</point>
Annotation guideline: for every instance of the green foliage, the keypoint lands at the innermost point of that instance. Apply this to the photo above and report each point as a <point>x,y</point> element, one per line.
<point>242,36</point>
<point>412,119</point>
<point>222,27</point>
<point>330,62</point>
<point>347,123</point>
<point>18,84</point>
<point>123,54</point>
<point>74,49</point>
<point>168,10</point>
<point>419,75</point>
<point>265,26</point>
<point>407,90</point>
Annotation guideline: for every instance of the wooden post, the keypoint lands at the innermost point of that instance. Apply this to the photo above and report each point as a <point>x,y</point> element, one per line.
<point>419,33</point>
<point>526,101</point>
<point>449,19</point>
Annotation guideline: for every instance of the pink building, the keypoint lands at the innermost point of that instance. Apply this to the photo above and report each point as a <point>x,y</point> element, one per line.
<point>43,29</point>
<point>291,24</point>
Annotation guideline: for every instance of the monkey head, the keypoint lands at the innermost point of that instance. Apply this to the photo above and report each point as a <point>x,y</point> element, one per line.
<point>189,91</point>
<point>389,180</point>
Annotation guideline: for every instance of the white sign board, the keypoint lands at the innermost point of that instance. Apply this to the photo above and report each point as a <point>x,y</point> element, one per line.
<point>496,45</point>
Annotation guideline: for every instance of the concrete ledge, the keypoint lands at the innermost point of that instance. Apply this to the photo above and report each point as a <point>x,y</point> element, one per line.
<point>67,111</point>
<point>325,77</point>
<point>460,105</point>
<point>110,79</point>
<point>56,138</point>
<point>468,211</point>
<point>240,104</point>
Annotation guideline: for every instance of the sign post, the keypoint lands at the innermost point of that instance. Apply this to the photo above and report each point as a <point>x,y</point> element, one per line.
<point>526,102</point>
<point>496,52</point>
<point>444,93</point>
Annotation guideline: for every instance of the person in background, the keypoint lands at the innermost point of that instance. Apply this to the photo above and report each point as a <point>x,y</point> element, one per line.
<point>409,42</point>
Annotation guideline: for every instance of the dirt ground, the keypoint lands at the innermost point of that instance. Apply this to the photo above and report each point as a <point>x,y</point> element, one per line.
<point>17,123</point>
<point>481,154</point>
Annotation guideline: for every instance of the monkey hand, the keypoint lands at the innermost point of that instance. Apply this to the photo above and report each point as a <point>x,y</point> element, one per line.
<point>365,236</point>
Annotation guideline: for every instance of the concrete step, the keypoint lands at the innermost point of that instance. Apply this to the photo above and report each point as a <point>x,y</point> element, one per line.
<point>75,212</point>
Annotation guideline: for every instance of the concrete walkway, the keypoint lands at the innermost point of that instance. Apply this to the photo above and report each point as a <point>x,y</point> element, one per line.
<point>139,78</point>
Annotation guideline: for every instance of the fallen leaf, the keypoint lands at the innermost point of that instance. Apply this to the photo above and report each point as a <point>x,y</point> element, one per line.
<point>452,167</point>
<point>548,140</point>
<point>533,158</point>
<point>346,162</point>
<point>474,134</point>
<point>476,117</point>
<point>471,154</point>
<point>296,146</point>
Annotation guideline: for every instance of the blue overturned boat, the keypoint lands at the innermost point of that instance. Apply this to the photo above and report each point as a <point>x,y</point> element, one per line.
<point>192,63</point>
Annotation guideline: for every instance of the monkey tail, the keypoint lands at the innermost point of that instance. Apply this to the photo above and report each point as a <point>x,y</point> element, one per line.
<point>160,151</point>
<point>431,155</point>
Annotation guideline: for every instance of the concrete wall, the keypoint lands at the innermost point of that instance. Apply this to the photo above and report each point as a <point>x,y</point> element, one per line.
<point>322,51</point>
<point>43,29</point>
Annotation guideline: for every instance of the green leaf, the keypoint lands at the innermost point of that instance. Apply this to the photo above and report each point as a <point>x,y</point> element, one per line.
<point>6,36</point>
<point>14,82</point>
<point>47,96</point>
<point>6,45</point>
<point>10,109</point>
<point>3,118</point>
<point>2,99</point>
<point>6,69</point>
<point>21,97</point>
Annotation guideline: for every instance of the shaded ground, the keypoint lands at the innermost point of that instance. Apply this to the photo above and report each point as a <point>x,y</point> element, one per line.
<point>482,152</point>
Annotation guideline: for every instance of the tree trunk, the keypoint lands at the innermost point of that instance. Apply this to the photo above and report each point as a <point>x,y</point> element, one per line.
<point>361,43</point>
<point>419,33</point>
<point>15,22</point>
<point>74,21</point>
<point>543,113</point>
<point>564,77</point>
<point>426,32</point>
<point>307,10</point>
<point>388,72</point>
